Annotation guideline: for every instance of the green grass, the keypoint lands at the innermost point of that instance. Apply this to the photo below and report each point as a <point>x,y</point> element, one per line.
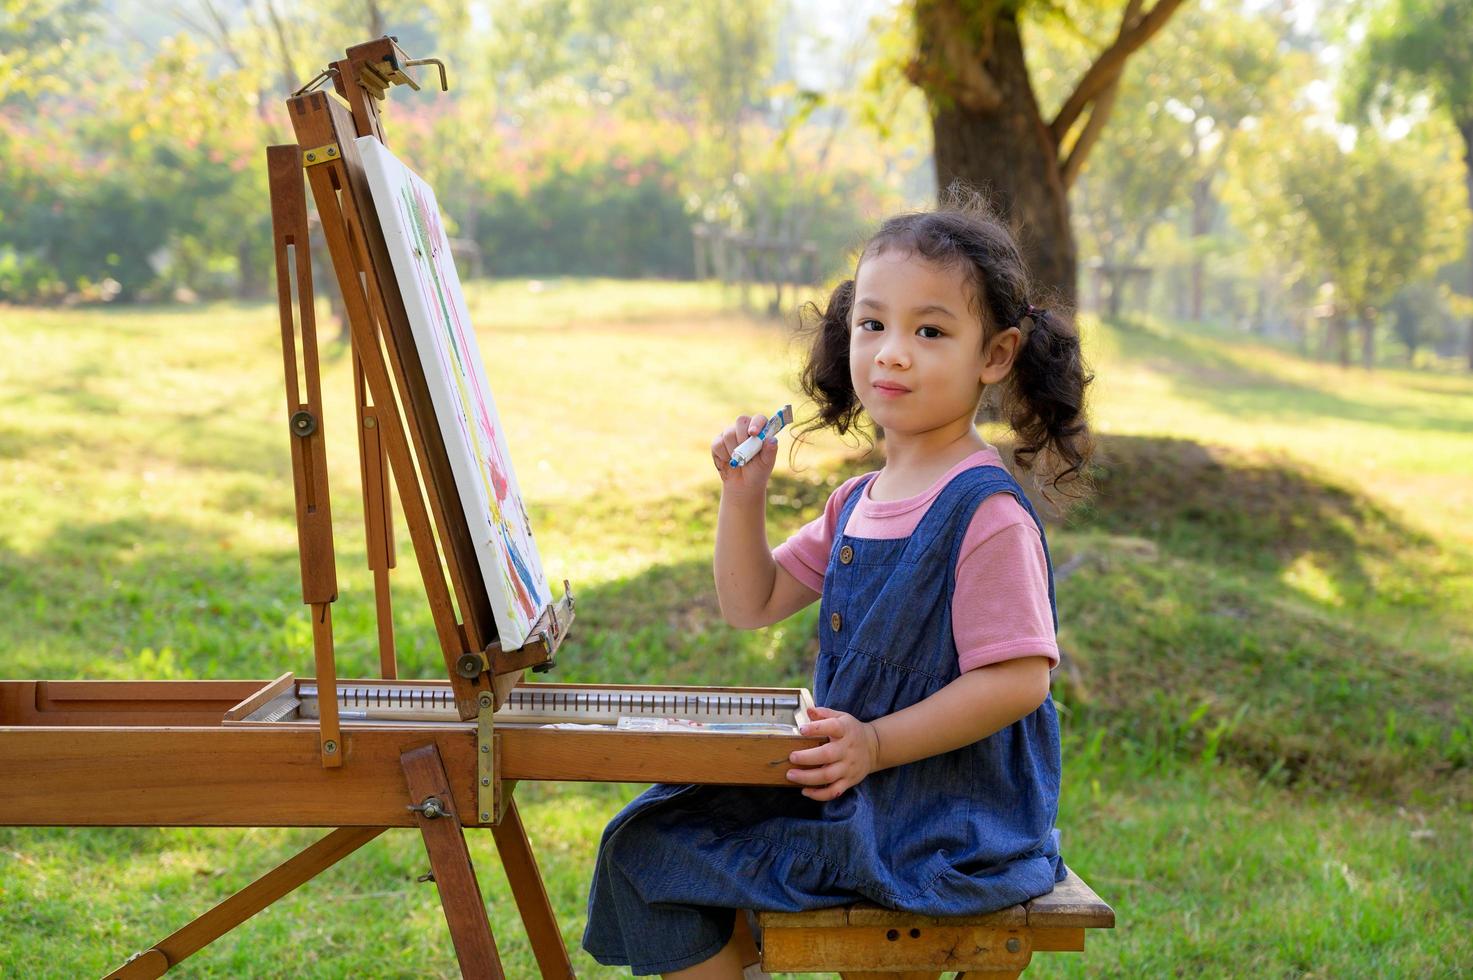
<point>1267,621</point>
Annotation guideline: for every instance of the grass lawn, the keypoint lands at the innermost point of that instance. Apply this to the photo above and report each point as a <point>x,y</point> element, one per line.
<point>1267,619</point>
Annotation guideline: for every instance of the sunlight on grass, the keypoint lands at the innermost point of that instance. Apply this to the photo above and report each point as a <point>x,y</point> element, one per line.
<point>1312,581</point>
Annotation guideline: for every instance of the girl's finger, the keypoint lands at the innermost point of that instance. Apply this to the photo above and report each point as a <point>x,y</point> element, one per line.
<point>755,424</point>
<point>819,755</point>
<point>832,727</point>
<point>813,777</point>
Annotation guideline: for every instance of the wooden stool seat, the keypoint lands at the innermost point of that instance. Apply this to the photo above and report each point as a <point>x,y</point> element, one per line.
<point>867,941</point>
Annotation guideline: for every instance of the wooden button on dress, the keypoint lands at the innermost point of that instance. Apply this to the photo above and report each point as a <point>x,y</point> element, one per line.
<point>836,621</point>
<point>846,554</point>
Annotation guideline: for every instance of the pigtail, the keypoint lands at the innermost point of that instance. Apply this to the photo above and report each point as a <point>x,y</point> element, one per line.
<point>825,377</point>
<point>1044,403</point>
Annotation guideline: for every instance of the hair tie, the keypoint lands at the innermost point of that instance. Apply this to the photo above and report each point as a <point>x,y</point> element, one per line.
<point>1029,311</point>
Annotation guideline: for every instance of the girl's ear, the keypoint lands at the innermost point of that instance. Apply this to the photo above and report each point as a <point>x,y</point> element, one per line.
<point>997,359</point>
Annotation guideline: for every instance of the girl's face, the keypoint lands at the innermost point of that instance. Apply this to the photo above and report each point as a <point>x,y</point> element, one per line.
<point>916,352</point>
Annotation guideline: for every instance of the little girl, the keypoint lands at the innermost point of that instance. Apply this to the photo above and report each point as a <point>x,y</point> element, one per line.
<point>937,790</point>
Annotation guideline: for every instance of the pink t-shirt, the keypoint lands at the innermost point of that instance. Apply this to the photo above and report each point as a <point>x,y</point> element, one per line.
<point>1000,610</point>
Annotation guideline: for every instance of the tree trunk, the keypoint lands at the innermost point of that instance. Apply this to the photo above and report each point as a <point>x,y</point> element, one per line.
<point>1007,153</point>
<point>1201,215</point>
<point>1465,126</point>
<point>1368,339</point>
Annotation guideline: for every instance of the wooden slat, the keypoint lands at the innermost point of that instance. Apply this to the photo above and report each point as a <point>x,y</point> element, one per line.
<point>123,703</point>
<point>876,948</point>
<point>247,902</point>
<point>450,859</point>
<point>1057,939</point>
<point>1071,903</point>
<point>225,777</point>
<point>531,895</point>
<point>874,915</point>
<point>148,965</point>
<point>865,914</point>
<point>329,734</point>
<point>308,452</point>
<point>284,684</point>
<point>636,757</point>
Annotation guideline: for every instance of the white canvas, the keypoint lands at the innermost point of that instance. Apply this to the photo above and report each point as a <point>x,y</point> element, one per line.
<point>456,375</point>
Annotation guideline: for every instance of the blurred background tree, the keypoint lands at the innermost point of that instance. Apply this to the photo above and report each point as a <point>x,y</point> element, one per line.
<point>1416,52</point>
<point>987,125</point>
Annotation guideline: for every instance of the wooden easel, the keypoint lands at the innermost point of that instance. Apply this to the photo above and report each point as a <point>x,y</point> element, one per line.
<point>396,428</point>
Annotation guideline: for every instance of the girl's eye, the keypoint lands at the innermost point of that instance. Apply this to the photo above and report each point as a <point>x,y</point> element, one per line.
<point>873,325</point>
<point>930,332</point>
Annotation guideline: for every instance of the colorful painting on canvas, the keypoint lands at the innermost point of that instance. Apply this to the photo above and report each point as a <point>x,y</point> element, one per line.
<point>456,375</point>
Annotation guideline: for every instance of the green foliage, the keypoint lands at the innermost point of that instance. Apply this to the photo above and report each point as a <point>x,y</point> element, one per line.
<point>39,39</point>
<point>152,193</point>
<point>577,138</point>
<point>1414,45</point>
<point>1370,218</point>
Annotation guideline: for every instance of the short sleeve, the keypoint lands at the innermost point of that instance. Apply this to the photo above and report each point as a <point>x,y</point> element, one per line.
<point>1000,610</point>
<point>805,555</point>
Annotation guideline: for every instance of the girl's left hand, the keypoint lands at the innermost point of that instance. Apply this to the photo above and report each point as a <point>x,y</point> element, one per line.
<point>850,754</point>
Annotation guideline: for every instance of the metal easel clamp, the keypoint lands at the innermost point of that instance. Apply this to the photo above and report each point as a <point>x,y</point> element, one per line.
<point>488,760</point>
<point>319,155</point>
<point>472,665</point>
<point>431,808</point>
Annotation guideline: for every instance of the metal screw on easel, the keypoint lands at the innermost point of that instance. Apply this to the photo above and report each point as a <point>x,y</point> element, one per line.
<point>1014,945</point>
<point>431,808</point>
<point>329,746</point>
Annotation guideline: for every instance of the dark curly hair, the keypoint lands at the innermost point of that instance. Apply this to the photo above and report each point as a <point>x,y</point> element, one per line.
<point>1042,398</point>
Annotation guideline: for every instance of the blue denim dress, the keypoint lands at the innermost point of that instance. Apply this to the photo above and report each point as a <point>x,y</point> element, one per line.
<point>968,831</point>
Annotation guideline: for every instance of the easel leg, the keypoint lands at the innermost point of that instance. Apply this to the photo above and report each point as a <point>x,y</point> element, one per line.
<point>450,860</point>
<point>530,893</point>
<point>245,903</point>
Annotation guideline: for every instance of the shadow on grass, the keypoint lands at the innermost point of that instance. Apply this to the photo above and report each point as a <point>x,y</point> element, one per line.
<point>1203,372</point>
<point>1257,510</point>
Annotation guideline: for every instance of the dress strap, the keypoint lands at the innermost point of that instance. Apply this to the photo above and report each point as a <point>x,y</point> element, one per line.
<point>958,503</point>
<point>850,503</point>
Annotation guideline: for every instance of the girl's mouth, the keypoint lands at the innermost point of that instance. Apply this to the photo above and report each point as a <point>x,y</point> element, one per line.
<point>890,389</point>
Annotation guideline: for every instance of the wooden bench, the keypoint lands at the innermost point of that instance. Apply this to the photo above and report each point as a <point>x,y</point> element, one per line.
<point>866,942</point>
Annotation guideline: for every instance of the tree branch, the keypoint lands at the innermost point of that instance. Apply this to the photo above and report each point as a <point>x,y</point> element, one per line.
<point>1106,70</point>
<point>1099,114</point>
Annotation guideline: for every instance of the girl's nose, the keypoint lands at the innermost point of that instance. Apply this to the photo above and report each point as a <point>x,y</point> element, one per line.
<point>892,353</point>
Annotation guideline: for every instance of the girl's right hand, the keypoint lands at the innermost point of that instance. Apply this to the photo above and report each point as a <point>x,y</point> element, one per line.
<point>751,477</point>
